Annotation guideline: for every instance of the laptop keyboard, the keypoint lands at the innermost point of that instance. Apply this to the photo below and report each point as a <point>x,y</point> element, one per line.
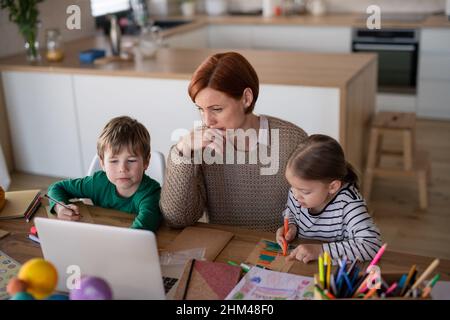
<point>169,283</point>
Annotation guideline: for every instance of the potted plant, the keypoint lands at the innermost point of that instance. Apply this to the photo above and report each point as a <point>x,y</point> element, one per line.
<point>25,14</point>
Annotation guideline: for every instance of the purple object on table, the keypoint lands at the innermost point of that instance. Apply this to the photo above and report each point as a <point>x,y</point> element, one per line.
<point>92,288</point>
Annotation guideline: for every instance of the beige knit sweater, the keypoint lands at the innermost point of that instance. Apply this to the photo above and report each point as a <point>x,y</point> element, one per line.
<point>231,194</point>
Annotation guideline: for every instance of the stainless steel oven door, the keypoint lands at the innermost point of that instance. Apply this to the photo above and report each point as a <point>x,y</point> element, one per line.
<point>397,65</point>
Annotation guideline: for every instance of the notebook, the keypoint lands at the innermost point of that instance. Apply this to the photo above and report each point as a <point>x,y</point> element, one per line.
<point>207,280</point>
<point>18,203</point>
<point>194,237</point>
<point>85,215</point>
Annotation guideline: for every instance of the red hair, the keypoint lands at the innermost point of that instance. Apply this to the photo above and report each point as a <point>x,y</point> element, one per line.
<point>227,72</point>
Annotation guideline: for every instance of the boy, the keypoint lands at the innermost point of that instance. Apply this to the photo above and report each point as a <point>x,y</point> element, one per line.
<point>124,151</point>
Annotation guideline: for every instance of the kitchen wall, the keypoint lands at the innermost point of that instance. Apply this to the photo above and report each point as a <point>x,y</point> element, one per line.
<point>53,15</point>
<point>413,6</point>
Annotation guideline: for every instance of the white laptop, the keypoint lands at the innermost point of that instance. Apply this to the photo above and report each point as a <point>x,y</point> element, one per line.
<point>126,258</point>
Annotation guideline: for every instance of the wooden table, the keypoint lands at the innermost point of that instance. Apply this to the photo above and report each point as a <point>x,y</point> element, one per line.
<point>18,246</point>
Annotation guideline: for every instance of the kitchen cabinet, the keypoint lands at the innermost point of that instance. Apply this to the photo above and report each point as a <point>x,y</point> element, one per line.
<point>275,37</point>
<point>434,74</point>
<point>193,39</point>
<point>230,37</point>
<point>43,123</point>
<point>302,38</point>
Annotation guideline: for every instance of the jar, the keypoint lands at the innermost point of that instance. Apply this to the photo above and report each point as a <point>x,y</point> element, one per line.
<point>54,46</point>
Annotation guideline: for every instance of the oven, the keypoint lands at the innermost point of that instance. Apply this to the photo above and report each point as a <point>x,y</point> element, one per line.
<point>397,51</point>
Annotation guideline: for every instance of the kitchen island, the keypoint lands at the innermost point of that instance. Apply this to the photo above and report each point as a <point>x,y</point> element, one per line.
<point>55,111</point>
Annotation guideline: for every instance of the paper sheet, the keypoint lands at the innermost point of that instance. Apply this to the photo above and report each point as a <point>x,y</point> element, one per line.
<point>8,268</point>
<point>261,284</point>
<point>268,254</point>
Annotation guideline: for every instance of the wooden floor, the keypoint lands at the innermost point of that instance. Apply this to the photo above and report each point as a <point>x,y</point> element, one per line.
<point>394,203</point>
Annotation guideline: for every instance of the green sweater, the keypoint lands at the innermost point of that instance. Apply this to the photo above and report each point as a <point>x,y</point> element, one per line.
<point>144,202</point>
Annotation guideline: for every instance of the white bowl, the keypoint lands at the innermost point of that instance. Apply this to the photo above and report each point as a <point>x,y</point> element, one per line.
<point>216,7</point>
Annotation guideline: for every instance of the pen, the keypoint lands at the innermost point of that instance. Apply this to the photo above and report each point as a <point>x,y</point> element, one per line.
<point>58,202</point>
<point>422,277</point>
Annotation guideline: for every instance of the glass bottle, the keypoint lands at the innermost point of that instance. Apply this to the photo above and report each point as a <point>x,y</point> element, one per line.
<point>53,42</point>
<point>30,34</point>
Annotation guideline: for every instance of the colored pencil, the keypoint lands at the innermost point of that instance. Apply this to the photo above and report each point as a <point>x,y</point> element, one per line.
<point>422,277</point>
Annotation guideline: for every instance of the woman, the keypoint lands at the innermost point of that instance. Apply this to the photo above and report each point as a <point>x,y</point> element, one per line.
<point>213,168</point>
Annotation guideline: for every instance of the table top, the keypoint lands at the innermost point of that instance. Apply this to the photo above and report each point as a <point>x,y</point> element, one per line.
<point>19,247</point>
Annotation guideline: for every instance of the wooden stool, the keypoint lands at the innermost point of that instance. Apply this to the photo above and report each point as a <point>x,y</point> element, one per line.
<point>415,163</point>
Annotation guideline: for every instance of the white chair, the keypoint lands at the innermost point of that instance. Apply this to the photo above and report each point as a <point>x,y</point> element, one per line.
<point>155,170</point>
<point>5,179</point>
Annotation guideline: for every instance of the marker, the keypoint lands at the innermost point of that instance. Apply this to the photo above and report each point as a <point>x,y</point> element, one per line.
<point>327,261</point>
<point>231,263</point>
<point>377,257</point>
<point>408,279</point>
<point>370,293</point>
<point>430,286</point>
<point>391,288</point>
<point>245,267</point>
<point>286,230</point>
<point>321,273</point>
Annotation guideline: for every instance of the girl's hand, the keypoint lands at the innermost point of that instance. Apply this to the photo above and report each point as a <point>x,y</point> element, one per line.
<point>67,214</point>
<point>291,234</point>
<point>306,252</point>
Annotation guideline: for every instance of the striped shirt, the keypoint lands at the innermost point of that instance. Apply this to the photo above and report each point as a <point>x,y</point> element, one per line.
<point>344,225</point>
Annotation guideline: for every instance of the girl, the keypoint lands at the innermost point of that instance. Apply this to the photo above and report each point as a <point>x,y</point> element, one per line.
<point>324,204</point>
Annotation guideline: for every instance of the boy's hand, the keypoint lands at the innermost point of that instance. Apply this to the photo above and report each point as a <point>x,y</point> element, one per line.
<point>67,214</point>
<point>306,252</point>
<point>291,234</point>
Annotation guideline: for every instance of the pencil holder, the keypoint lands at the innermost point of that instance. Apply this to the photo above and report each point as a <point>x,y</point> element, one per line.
<point>321,293</point>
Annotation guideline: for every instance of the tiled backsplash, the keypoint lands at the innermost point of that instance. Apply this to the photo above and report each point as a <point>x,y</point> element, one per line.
<point>53,15</point>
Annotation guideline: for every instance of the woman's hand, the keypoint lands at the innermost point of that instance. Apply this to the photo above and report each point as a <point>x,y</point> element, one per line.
<point>200,138</point>
<point>72,214</point>
<point>306,252</point>
<point>291,234</point>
